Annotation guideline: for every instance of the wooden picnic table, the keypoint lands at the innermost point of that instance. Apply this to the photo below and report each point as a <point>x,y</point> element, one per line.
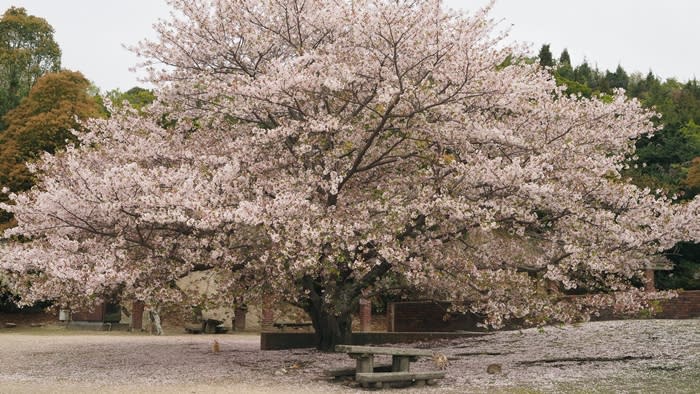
<point>401,359</point>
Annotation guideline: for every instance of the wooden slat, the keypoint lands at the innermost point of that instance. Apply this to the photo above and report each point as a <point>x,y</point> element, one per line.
<point>397,376</point>
<point>393,351</point>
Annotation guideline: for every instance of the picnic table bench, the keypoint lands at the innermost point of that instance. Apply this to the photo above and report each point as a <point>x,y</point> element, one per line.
<point>366,374</point>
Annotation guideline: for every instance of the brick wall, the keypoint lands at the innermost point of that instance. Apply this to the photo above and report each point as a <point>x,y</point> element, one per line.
<point>97,314</point>
<point>428,316</point>
<point>685,306</point>
<point>432,316</point>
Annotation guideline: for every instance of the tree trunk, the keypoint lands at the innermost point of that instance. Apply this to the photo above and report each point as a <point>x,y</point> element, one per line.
<point>332,322</point>
<point>332,319</point>
<point>330,329</point>
<point>155,320</point>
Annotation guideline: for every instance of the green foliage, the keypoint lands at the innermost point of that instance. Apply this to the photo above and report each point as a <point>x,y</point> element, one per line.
<point>666,160</point>
<point>545,56</point>
<point>43,122</point>
<point>585,75</point>
<point>574,87</point>
<point>137,97</point>
<point>564,58</point>
<point>662,161</point>
<point>618,79</point>
<point>654,308</point>
<point>27,51</point>
<point>691,133</point>
<point>692,179</point>
<point>9,304</point>
<point>669,160</point>
<point>686,272</point>
<point>685,275</point>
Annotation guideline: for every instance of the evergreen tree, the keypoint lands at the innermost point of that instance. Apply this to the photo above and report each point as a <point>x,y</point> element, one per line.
<point>564,69</point>
<point>545,56</point>
<point>564,58</point>
<point>584,74</point>
<point>617,79</point>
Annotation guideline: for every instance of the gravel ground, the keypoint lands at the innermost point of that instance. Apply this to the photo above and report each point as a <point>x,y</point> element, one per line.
<point>618,356</point>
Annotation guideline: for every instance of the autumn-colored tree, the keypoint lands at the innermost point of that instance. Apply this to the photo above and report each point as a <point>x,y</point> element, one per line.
<point>318,150</point>
<point>692,181</point>
<point>27,51</point>
<point>43,122</point>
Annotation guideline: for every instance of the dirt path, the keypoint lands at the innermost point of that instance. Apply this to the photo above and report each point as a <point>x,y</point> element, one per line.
<point>617,356</point>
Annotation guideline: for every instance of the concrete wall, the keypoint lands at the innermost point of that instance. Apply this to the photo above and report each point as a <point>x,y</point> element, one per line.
<point>205,283</point>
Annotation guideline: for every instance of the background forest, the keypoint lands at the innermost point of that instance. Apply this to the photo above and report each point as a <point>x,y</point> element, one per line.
<point>668,161</point>
<point>41,103</point>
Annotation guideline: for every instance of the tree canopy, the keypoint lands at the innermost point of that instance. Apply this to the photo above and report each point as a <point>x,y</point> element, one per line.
<point>663,159</point>
<point>545,56</point>
<point>137,97</point>
<point>27,51</point>
<point>43,122</point>
<point>315,152</point>
<point>667,160</point>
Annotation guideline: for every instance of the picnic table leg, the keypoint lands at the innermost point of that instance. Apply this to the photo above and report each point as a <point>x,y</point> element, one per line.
<point>400,363</point>
<point>364,363</point>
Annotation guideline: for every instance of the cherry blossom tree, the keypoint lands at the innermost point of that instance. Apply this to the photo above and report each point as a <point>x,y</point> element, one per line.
<point>318,151</point>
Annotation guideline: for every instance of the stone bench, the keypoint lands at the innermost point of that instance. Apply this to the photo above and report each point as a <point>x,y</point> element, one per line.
<point>377,379</point>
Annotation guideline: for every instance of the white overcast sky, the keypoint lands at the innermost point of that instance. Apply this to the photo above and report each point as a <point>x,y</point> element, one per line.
<point>641,35</point>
